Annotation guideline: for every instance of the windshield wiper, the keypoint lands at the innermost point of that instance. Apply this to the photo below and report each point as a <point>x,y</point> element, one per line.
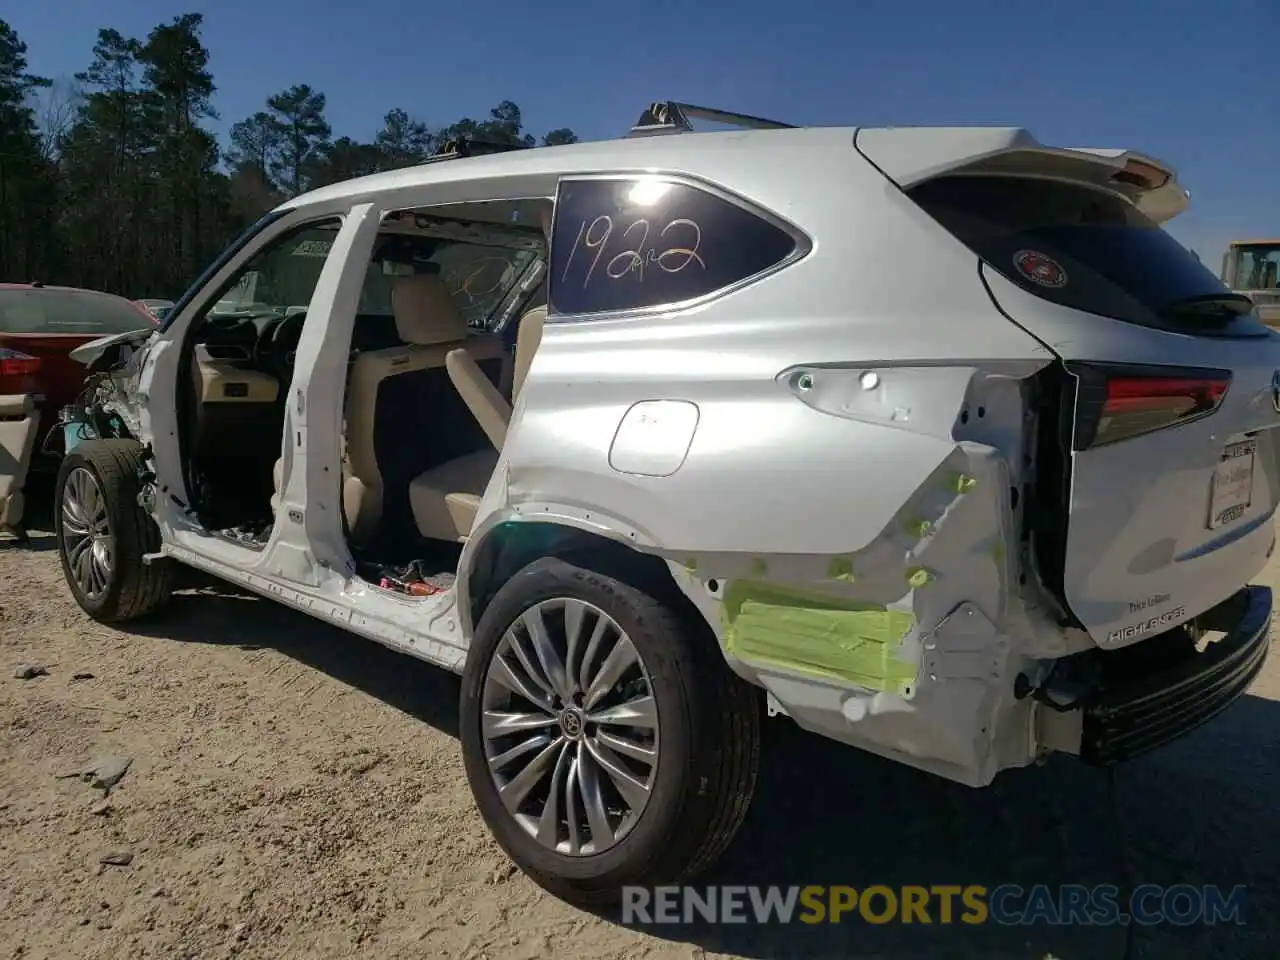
<point>1209,308</point>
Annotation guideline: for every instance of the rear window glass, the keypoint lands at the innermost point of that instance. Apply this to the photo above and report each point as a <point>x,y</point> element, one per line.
<point>1082,248</point>
<point>67,311</point>
<point>629,244</point>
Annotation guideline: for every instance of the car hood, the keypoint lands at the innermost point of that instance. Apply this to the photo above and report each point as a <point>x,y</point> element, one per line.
<point>89,352</point>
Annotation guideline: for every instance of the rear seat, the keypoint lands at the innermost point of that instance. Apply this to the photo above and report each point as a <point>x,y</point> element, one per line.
<point>402,414</point>
<point>445,500</point>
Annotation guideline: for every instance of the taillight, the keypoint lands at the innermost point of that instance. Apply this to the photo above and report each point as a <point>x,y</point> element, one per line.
<point>15,364</point>
<point>1119,402</point>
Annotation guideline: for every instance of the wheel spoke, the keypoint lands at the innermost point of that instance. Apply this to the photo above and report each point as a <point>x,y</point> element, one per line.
<point>621,658</point>
<point>101,554</point>
<point>593,800</point>
<point>497,724</point>
<point>641,712</point>
<point>573,617</point>
<point>517,648</point>
<point>632,790</point>
<point>73,522</point>
<point>514,791</point>
<point>552,667</point>
<point>78,549</point>
<point>593,648</point>
<point>557,792</point>
<point>82,570</point>
<point>503,760</point>
<point>628,748</point>
<point>500,671</point>
<point>95,570</point>
<point>573,803</point>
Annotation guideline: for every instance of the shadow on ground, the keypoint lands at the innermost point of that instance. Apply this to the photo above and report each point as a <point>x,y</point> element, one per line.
<point>1199,812</point>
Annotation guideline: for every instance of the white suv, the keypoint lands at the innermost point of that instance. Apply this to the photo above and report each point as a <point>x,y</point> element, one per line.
<point>929,439</point>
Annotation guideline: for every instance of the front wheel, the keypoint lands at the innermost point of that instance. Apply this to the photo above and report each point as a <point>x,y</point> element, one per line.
<point>606,742</point>
<point>104,535</point>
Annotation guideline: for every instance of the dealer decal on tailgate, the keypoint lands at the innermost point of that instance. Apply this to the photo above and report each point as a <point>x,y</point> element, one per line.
<point>1154,625</point>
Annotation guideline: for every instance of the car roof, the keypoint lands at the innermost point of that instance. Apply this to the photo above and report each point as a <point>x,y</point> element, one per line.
<point>622,154</point>
<point>62,289</point>
<point>906,155</point>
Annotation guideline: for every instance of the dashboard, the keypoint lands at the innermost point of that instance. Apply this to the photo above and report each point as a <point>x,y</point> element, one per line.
<point>247,358</point>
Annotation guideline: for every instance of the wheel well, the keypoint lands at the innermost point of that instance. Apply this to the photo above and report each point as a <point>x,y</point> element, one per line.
<point>516,544</point>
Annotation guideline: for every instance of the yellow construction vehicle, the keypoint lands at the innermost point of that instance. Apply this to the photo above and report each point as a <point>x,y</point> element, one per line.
<point>1250,267</point>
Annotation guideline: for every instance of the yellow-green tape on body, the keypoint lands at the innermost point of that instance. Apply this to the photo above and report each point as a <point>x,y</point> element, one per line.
<point>855,643</point>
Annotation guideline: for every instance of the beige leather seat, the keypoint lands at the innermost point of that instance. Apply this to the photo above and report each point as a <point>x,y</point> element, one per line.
<point>277,479</point>
<point>430,324</point>
<point>19,423</point>
<point>489,407</point>
<point>446,499</point>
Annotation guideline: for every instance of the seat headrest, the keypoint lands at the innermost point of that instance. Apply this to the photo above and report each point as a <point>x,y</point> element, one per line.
<point>425,312</point>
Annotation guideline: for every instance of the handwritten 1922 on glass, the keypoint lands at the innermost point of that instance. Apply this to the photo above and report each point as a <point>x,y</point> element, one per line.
<point>593,240</point>
<point>635,243</point>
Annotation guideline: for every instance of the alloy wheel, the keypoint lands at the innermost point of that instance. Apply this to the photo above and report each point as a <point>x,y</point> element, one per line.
<point>570,727</point>
<point>87,540</point>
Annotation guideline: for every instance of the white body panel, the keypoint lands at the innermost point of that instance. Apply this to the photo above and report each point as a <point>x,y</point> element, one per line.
<point>901,495</point>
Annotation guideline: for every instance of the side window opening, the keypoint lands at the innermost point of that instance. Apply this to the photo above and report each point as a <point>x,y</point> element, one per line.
<point>635,243</point>
<point>237,364</point>
<point>428,388</point>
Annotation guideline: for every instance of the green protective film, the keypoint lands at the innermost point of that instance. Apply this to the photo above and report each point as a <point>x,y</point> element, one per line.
<point>843,640</point>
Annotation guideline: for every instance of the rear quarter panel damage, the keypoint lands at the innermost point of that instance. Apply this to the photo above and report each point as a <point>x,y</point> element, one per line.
<point>826,535</point>
<point>857,567</point>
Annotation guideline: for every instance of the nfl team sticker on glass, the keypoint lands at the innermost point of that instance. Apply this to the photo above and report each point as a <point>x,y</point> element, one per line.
<point>1040,268</point>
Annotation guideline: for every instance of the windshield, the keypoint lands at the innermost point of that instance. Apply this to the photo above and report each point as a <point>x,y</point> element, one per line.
<point>280,280</point>
<point>1102,255</point>
<point>83,312</point>
<point>480,276</point>
<point>1256,267</point>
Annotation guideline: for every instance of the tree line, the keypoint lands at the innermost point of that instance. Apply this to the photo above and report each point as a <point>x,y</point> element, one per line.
<point>114,181</point>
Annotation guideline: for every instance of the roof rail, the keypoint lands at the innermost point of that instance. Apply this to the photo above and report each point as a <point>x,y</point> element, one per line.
<point>671,116</point>
<point>460,147</point>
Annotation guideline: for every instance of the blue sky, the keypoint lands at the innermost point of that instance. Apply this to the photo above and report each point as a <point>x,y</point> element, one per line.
<point>1193,83</point>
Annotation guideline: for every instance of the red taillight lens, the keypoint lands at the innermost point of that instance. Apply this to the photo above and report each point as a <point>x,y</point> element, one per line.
<point>1116,403</point>
<point>15,364</point>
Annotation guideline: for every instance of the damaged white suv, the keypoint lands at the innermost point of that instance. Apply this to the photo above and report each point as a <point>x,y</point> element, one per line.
<point>941,447</point>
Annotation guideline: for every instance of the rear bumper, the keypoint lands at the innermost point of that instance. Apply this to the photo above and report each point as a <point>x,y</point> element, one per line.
<point>1132,717</point>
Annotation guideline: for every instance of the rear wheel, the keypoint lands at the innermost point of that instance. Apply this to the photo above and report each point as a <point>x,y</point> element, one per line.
<point>103,533</point>
<point>606,742</point>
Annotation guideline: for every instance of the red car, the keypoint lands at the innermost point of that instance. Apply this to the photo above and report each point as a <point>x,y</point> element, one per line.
<point>40,326</point>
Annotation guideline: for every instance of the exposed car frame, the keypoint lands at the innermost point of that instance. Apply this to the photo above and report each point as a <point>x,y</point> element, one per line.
<point>820,451</point>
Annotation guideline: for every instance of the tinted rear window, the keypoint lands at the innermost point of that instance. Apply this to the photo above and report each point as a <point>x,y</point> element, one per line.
<point>68,311</point>
<point>637,243</point>
<point>1083,248</point>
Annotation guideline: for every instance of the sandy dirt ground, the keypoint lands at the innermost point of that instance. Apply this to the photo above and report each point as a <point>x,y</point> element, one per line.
<point>297,792</point>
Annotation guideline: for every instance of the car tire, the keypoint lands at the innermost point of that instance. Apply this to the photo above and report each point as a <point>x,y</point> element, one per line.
<point>96,503</point>
<point>706,735</point>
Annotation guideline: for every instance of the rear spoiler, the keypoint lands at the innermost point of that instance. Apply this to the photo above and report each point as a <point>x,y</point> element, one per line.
<point>911,155</point>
